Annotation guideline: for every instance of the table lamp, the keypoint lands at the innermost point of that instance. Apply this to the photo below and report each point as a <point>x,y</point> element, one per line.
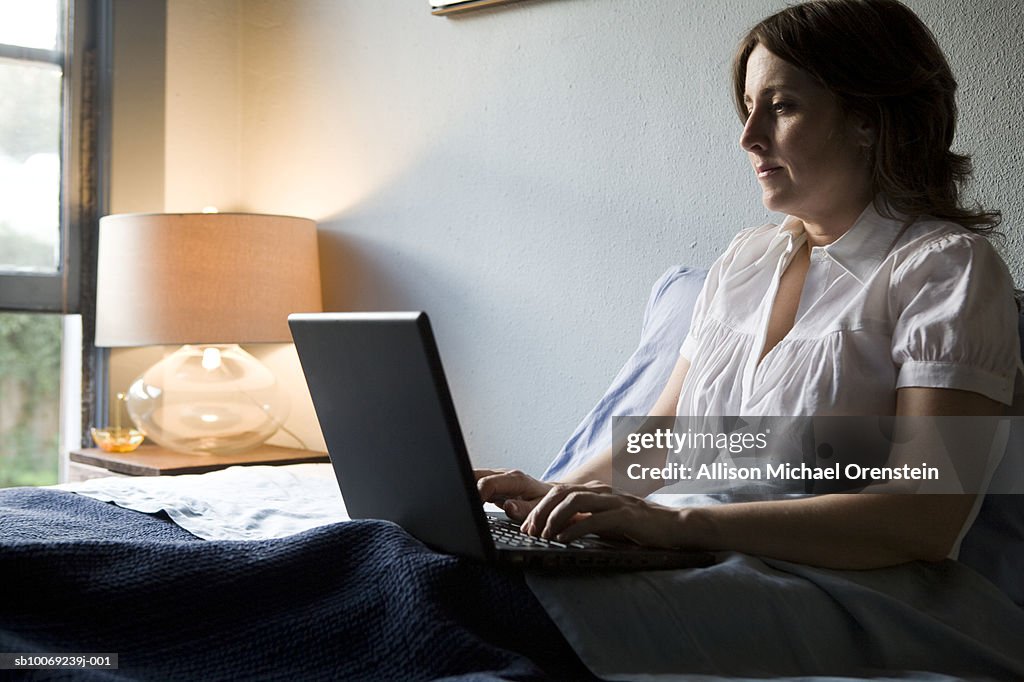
<point>209,281</point>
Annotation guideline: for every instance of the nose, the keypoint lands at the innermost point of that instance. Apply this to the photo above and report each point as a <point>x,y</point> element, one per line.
<point>754,137</point>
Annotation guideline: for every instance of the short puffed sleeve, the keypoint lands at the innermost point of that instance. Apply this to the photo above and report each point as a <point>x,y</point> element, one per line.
<point>956,324</point>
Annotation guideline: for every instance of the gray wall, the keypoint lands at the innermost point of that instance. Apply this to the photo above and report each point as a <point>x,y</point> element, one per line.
<point>525,173</point>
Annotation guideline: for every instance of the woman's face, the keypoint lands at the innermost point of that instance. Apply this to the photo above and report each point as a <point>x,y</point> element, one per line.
<point>810,159</point>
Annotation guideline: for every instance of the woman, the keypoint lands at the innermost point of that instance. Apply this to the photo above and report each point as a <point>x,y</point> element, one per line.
<point>878,294</point>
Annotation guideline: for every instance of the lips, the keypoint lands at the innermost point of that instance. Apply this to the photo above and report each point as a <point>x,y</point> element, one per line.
<point>767,170</point>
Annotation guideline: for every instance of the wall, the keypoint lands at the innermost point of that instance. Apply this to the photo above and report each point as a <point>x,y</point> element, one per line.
<point>203,134</point>
<point>137,106</point>
<point>522,173</point>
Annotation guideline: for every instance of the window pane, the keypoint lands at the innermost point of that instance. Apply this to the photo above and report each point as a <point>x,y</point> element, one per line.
<point>30,121</point>
<point>29,405</point>
<point>30,23</point>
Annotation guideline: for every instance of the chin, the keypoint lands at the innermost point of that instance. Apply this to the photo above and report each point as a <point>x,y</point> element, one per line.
<point>775,204</point>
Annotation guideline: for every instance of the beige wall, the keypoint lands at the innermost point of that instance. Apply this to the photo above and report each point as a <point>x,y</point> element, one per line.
<point>203,106</point>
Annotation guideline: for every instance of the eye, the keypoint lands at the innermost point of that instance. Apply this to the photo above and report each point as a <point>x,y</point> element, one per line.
<point>782,107</point>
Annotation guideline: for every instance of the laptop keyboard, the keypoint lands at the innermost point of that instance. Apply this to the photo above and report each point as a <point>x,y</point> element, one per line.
<point>507,533</point>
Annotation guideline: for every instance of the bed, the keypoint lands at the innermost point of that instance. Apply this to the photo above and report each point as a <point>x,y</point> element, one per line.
<point>85,576</point>
<point>255,573</point>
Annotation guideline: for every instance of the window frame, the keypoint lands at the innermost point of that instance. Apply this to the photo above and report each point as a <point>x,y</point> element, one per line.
<point>61,291</point>
<point>86,59</point>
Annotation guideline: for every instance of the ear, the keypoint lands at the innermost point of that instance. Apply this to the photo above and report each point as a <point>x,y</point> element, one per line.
<point>864,131</point>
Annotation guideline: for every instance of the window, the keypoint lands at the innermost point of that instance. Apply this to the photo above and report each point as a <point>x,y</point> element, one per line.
<point>43,149</point>
<point>33,251</point>
<point>29,398</point>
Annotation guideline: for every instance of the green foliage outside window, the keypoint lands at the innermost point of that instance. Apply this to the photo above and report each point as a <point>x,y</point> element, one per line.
<point>29,396</point>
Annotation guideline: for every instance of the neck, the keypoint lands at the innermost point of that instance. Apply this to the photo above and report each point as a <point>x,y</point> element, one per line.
<point>823,230</point>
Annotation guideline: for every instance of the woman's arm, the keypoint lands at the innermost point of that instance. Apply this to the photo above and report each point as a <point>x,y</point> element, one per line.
<point>599,468</point>
<point>517,493</point>
<point>838,531</point>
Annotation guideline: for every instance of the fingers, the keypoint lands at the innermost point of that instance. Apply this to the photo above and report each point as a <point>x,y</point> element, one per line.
<point>564,502</point>
<point>576,508</point>
<point>568,512</point>
<point>517,510</point>
<point>613,523</point>
<point>493,484</point>
<point>618,516</point>
<point>499,485</point>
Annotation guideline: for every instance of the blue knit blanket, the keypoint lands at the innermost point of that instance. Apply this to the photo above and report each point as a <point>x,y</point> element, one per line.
<point>359,600</point>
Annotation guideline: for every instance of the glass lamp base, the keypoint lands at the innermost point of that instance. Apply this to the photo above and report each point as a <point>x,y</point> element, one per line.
<point>207,400</point>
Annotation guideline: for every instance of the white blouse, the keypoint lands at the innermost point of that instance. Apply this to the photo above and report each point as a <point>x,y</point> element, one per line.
<point>883,307</point>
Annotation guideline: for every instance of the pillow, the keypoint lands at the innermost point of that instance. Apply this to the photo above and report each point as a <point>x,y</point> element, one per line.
<point>994,546</point>
<point>640,381</point>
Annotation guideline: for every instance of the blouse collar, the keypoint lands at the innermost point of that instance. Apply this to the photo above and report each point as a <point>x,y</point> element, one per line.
<point>862,248</point>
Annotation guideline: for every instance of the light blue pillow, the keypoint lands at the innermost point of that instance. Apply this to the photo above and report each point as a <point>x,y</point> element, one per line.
<point>640,381</point>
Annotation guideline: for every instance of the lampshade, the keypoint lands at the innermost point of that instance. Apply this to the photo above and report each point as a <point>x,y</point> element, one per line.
<point>180,278</point>
<point>209,281</point>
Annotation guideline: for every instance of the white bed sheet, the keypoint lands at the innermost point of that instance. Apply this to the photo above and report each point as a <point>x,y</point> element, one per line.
<point>237,503</point>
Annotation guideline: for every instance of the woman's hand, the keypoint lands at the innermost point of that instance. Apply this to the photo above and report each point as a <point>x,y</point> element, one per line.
<point>511,489</point>
<point>568,512</point>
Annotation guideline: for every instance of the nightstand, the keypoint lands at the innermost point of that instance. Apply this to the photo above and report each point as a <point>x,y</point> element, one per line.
<point>153,460</point>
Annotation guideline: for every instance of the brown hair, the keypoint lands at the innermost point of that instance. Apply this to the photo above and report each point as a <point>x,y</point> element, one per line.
<point>884,66</point>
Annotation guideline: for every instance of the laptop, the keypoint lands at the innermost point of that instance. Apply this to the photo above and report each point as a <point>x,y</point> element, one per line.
<point>394,441</point>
